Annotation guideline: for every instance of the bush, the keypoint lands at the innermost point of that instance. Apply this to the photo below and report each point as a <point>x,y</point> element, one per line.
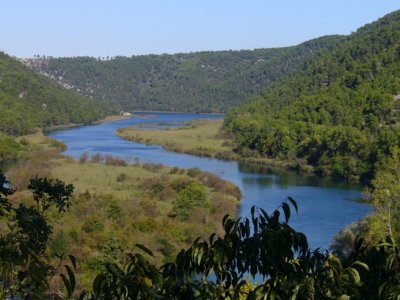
<point>174,170</point>
<point>152,167</point>
<point>57,144</point>
<point>114,211</point>
<point>60,243</point>
<point>193,195</point>
<point>121,177</point>
<point>115,161</point>
<point>167,249</point>
<point>93,224</point>
<point>145,224</point>
<point>24,142</point>
<point>84,158</point>
<point>97,158</point>
<point>194,172</point>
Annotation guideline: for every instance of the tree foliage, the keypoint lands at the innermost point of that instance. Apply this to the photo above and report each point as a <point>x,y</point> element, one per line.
<point>29,100</point>
<point>195,82</point>
<point>24,269</point>
<point>339,113</point>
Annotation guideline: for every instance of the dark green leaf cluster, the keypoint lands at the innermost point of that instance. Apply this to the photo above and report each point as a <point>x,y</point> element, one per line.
<point>47,193</point>
<point>340,113</point>
<point>24,269</point>
<point>265,249</point>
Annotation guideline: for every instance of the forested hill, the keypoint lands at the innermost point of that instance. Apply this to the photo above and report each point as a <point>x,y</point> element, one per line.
<point>195,82</point>
<point>29,100</point>
<point>339,114</point>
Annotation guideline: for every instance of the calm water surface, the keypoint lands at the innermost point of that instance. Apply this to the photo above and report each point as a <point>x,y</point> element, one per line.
<point>325,205</point>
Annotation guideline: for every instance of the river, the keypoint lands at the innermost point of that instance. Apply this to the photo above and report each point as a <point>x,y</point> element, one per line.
<point>325,205</point>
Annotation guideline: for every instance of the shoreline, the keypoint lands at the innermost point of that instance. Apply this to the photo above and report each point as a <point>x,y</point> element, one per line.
<point>107,119</point>
<point>177,112</point>
<point>204,151</point>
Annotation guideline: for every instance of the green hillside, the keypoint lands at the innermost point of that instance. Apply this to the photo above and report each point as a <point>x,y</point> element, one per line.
<point>29,100</point>
<point>340,113</point>
<point>195,82</point>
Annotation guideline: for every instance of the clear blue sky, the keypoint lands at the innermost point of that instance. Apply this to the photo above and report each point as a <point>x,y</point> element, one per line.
<point>123,27</point>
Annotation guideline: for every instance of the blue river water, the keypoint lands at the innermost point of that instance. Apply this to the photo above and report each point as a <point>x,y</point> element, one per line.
<point>325,205</point>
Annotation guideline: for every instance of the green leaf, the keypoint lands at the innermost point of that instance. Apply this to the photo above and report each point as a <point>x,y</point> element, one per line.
<point>82,295</point>
<point>355,276</point>
<point>67,285</point>
<point>286,210</point>
<point>98,283</point>
<point>145,249</point>
<point>361,264</point>
<point>294,203</point>
<point>116,271</point>
<point>72,279</point>
<point>73,260</point>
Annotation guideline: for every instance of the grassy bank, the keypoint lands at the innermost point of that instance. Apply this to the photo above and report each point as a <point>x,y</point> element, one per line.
<point>203,138</point>
<point>117,204</point>
<point>111,118</point>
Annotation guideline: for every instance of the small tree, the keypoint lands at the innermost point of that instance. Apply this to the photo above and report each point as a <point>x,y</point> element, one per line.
<point>192,196</point>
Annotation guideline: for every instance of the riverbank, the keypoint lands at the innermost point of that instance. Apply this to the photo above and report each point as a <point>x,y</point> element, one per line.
<point>117,204</point>
<point>111,118</point>
<point>204,138</point>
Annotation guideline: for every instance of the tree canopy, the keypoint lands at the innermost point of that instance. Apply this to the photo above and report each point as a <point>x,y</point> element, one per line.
<point>29,100</point>
<point>186,82</point>
<point>339,113</point>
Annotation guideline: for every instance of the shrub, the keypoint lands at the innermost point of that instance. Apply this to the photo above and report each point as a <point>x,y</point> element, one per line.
<point>152,167</point>
<point>145,224</point>
<point>194,172</point>
<point>84,158</point>
<point>174,170</point>
<point>115,161</point>
<point>97,158</point>
<point>193,195</point>
<point>167,249</point>
<point>93,224</point>
<point>24,142</point>
<point>60,243</point>
<point>114,211</point>
<point>57,144</point>
<point>121,177</point>
<point>180,183</point>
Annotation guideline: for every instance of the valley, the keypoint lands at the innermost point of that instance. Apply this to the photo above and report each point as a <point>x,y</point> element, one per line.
<point>270,173</point>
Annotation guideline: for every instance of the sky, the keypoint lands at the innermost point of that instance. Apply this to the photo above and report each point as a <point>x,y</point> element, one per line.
<point>132,27</point>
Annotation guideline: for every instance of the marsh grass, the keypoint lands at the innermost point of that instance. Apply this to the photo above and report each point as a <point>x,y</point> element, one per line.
<point>205,138</point>
<point>117,204</point>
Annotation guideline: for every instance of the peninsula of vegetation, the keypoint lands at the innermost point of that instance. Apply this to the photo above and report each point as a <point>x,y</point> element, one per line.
<point>203,138</point>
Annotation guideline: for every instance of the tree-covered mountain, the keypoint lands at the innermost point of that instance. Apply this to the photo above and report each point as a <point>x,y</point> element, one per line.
<point>340,113</point>
<point>29,100</point>
<point>195,82</point>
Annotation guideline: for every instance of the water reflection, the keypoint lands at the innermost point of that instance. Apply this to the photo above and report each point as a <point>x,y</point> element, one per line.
<point>296,178</point>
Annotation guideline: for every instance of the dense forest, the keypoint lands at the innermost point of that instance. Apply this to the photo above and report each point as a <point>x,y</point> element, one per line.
<point>29,101</point>
<point>193,82</point>
<point>339,113</point>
